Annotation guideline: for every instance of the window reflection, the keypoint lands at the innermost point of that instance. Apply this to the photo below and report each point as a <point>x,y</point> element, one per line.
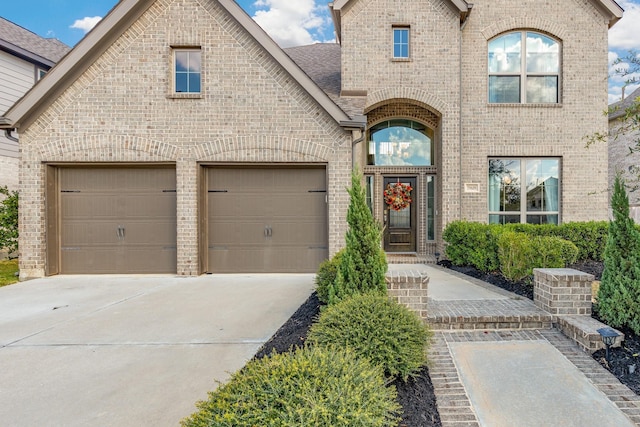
<point>399,143</point>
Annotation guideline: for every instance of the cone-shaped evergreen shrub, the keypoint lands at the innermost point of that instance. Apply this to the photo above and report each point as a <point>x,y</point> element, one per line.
<point>364,263</point>
<point>619,294</point>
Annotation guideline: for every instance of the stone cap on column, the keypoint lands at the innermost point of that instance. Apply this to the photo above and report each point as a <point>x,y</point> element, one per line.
<point>564,274</point>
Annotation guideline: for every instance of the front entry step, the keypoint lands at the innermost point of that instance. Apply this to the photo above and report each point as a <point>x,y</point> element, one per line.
<point>487,315</point>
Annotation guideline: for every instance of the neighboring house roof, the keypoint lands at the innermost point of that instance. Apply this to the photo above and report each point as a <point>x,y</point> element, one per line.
<point>30,46</point>
<point>322,62</point>
<point>121,17</point>
<point>618,109</point>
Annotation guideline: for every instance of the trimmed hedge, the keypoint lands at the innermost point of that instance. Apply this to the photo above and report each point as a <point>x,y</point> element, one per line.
<point>313,386</point>
<point>476,244</point>
<point>520,253</point>
<point>376,328</point>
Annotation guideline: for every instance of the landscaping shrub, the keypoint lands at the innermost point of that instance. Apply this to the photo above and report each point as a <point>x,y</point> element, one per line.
<point>313,386</point>
<point>619,293</point>
<point>364,264</point>
<point>378,329</point>
<point>8,219</point>
<point>520,253</point>
<point>326,276</point>
<point>473,243</point>
<point>515,252</point>
<point>589,237</point>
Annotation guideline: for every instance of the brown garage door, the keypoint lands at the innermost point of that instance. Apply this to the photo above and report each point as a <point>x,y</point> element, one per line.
<point>117,220</point>
<point>266,220</point>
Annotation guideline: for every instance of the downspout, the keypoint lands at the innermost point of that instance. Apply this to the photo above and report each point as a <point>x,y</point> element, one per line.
<point>7,133</point>
<point>464,24</point>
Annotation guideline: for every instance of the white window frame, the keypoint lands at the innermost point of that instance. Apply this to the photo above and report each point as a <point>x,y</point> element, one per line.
<point>403,28</point>
<point>523,75</point>
<point>174,72</point>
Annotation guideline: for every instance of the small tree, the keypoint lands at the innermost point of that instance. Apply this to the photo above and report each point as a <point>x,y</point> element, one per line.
<point>8,219</point>
<point>619,294</point>
<point>363,264</point>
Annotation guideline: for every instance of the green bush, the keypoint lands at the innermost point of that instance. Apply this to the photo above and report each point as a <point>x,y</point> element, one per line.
<point>520,253</point>
<point>364,264</point>
<point>589,237</point>
<point>326,276</point>
<point>8,220</point>
<point>473,243</point>
<point>313,386</point>
<point>378,329</point>
<point>515,252</point>
<point>619,292</point>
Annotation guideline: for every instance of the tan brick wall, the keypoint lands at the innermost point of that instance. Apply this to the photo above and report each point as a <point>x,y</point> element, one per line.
<point>551,130</point>
<point>250,111</point>
<point>432,78</point>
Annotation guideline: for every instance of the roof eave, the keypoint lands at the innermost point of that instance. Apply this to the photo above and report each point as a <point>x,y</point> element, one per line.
<point>25,54</point>
<point>614,10</point>
<point>68,67</point>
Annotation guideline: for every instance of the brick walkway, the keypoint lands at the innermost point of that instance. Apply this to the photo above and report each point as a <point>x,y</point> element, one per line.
<point>504,319</point>
<point>453,402</point>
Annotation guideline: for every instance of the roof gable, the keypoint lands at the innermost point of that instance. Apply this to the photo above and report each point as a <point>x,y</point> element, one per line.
<point>117,21</point>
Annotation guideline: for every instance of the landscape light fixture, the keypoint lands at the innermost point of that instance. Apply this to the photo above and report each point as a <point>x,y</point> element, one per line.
<point>608,338</point>
<point>437,254</point>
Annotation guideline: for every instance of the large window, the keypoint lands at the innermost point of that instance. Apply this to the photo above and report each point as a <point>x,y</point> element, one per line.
<point>401,42</point>
<point>400,143</point>
<point>524,67</point>
<point>524,190</point>
<point>187,70</point>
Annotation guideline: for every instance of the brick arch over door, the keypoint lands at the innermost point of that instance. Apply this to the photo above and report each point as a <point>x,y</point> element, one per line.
<point>108,148</point>
<point>536,24</point>
<point>262,148</point>
<point>413,96</point>
<point>400,108</point>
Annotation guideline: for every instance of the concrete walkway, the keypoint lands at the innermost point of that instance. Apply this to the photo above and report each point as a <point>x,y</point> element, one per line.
<point>508,374</point>
<point>131,350</point>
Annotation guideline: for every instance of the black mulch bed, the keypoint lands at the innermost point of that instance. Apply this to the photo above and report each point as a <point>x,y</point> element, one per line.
<point>416,396</point>
<point>622,360</point>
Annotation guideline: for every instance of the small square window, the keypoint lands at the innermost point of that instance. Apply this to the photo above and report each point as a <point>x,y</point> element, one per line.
<point>401,42</point>
<point>187,70</point>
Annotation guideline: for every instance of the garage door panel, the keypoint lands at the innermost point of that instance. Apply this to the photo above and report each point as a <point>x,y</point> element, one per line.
<point>87,233</point>
<point>229,232</point>
<point>117,220</point>
<point>290,203</point>
<point>88,205</point>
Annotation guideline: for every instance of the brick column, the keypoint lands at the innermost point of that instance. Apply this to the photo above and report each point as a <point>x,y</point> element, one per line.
<point>409,288</point>
<point>562,291</point>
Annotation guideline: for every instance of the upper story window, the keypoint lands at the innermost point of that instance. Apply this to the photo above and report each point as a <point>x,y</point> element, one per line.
<point>187,70</point>
<point>400,142</point>
<point>40,73</point>
<point>524,67</point>
<point>400,42</point>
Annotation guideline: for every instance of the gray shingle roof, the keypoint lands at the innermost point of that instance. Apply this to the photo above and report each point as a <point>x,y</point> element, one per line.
<point>618,108</point>
<point>50,49</point>
<point>322,63</point>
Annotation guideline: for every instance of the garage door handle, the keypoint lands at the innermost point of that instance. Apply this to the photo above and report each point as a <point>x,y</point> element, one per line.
<point>120,232</point>
<point>268,232</point>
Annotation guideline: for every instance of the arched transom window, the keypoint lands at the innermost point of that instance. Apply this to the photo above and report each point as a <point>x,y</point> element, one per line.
<point>400,142</point>
<point>524,67</point>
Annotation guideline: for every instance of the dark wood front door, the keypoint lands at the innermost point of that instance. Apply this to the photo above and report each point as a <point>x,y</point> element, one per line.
<point>400,223</point>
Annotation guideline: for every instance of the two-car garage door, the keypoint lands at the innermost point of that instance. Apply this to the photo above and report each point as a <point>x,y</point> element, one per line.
<point>123,219</point>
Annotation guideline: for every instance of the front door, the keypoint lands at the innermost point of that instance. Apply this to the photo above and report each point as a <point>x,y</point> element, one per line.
<point>400,207</point>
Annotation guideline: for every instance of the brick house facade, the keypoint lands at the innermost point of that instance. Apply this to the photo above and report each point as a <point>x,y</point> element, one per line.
<point>226,151</point>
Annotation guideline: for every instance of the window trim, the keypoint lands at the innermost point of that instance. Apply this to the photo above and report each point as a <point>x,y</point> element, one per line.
<point>172,70</point>
<point>523,75</point>
<point>523,212</point>
<point>400,27</point>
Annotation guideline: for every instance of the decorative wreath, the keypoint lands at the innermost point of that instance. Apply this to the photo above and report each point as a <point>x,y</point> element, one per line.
<point>398,196</point>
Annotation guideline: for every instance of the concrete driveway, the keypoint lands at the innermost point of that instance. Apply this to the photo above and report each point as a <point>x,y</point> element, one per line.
<point>131,350</point>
